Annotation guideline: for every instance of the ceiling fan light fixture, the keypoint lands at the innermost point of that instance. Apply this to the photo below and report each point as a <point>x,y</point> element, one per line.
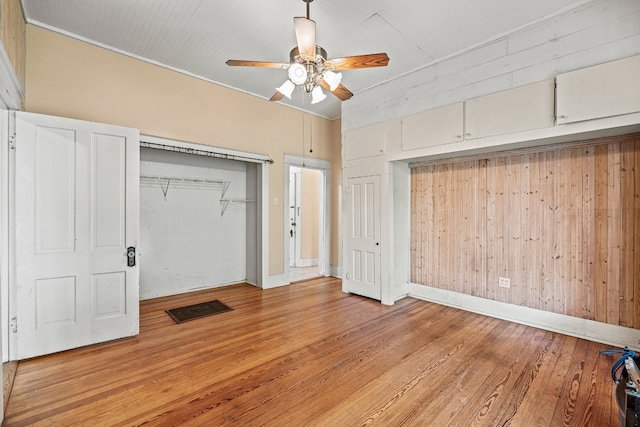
<point>310,67</point>
<point>297,73</point>
<point>286,88</point>
<point>317,95</point>
<point>333,79</point>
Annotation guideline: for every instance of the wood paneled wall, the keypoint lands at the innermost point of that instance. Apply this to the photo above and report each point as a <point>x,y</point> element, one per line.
<point>13,35</point>
<point>562,223</point>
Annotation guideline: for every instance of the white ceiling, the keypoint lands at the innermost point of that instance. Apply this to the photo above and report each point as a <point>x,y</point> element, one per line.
<point>198,36</point>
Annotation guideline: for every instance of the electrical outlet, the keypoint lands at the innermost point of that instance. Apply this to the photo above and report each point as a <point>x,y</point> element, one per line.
<point>503,282</point>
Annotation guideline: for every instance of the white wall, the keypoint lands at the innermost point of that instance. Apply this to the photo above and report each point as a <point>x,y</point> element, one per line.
<point>598,32</point>
<point>185,242</point>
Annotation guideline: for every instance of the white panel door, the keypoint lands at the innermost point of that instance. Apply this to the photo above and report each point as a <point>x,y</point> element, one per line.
<point>77,204</point>
<point>363,236</point>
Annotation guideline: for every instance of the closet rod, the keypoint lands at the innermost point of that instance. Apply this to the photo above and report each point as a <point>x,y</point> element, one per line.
<point>196,180</point>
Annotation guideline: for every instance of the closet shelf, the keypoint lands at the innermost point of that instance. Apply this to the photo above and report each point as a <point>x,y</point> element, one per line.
<point>224,203</point>
<point>165,181</point>
<point>182,182</point>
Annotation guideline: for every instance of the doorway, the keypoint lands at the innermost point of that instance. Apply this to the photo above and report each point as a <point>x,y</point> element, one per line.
<point>304,205</point>
<point>306,218</point>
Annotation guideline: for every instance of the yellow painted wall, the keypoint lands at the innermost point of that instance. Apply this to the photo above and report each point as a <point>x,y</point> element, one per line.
<point>70,78</point>
<point>310,195</point>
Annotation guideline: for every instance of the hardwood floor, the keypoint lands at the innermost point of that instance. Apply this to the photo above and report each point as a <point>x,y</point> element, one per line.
<point>310,355</point>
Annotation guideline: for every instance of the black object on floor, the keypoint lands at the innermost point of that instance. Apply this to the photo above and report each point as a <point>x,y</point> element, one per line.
<point>196,311</point>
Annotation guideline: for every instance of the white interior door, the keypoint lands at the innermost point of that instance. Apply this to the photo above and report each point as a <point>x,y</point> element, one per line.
<point>76,204</point>
<point>362,223</point>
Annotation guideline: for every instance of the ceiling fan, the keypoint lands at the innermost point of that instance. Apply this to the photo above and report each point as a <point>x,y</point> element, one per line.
<point>309,67</point>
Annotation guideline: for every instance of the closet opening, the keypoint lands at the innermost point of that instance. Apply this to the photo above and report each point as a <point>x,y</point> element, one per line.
<point>200,218</point>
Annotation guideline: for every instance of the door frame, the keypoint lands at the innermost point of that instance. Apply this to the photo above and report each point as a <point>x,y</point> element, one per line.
<point>324,219</point>
<point>295,243</point>
<point>6,219</point>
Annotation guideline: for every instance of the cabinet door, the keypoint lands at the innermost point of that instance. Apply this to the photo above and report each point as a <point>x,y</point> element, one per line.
<point>366,142</point>
<point>514,110</point>
<point>434,127</point>
<point>604,90</point>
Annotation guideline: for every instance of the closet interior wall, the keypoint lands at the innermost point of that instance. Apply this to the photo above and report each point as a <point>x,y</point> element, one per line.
<point>194,221</point>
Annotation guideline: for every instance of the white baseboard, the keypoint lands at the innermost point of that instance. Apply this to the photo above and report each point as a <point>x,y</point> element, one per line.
<point>617,336</point>
<point>276,281</point>
<point>308,262</point>
<point>335,271</point>
<point>158,293</point>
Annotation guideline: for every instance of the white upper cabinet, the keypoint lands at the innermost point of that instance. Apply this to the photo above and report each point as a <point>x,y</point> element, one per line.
<point>603,90</point>
<point>365,142</point>
<point>434,127</point>
<point>514,110</point>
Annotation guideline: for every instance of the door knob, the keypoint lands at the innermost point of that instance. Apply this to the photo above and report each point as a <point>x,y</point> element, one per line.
<point>131,256</point>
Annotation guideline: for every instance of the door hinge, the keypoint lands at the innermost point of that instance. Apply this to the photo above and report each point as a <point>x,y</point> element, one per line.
<point>12,141</point>
<point>14,324</point>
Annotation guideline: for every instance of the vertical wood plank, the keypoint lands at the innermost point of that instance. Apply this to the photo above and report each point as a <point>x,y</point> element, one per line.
<point>481,228</point>
<point>415,204</point>
<point>627,234</point>
<point>614,234</point>
<point>513,242</point>
<point>562,168</point>
<point>441,226</point>
<point>546,198</point>
<point>428,227</point>
<point>535,231</point>
<point>636,233</point>
<point>600,233</point>
<point>525,254</point>
<point>574,295</point>
<point>465,196</point>
<point>587,300</point>
<point>492,224</point>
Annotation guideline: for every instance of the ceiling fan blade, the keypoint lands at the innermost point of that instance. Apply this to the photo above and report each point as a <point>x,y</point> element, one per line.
<point>306,37</point>
<point>341,92</point>
<point>359,61</point>
<point>276,96</point>
<point>264,64</point>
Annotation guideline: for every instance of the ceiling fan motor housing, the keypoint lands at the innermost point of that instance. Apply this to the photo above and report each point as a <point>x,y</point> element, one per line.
<point>315,68</point>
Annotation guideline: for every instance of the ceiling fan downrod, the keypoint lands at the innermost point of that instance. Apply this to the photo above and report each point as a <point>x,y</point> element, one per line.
<point>307,2</point>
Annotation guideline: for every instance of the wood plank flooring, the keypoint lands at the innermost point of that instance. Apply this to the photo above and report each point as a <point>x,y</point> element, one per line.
<point>309,355</point>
